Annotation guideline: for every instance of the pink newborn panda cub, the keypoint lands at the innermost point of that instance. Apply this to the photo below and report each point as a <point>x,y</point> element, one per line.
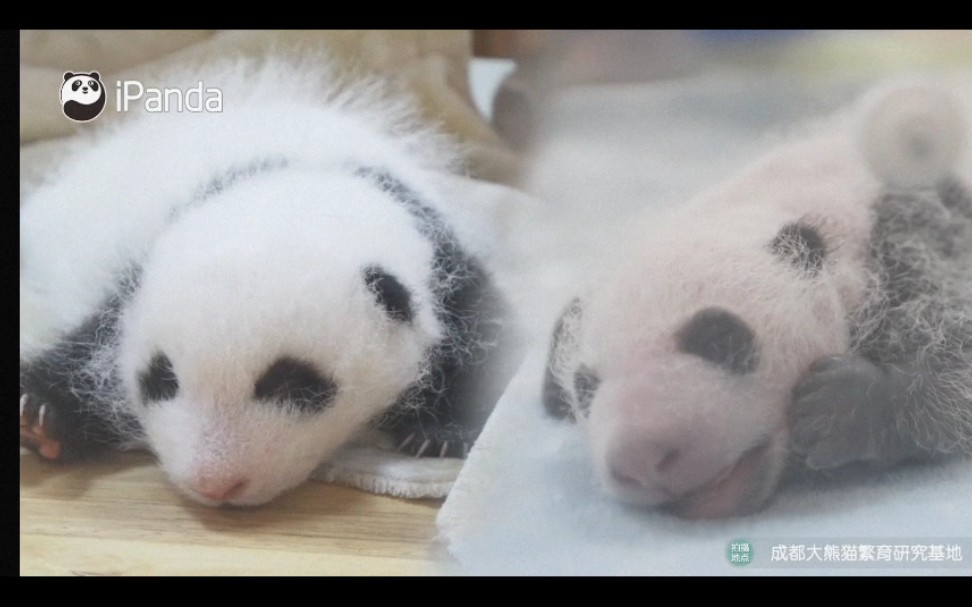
<point>814,312</point>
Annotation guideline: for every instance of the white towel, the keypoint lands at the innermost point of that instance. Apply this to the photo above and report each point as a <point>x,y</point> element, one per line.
<point>527,503</point>
<point>386,471</point>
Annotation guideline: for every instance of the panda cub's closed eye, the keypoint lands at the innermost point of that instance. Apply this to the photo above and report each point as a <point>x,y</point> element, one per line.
<point>158,381</point>
<point>297,384</point>
<point>722,338</point>
<point>390,294</point>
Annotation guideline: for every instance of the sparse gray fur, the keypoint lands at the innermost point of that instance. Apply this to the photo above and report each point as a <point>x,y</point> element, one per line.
<point>905,390</point>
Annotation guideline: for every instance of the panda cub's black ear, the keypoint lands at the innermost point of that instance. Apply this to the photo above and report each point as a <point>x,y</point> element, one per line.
<point>68,76</point>
<point>390,294</point>
<point>556,397</point>
<point>800,244</point>
<point>586,383</point>
<point>95,75</point>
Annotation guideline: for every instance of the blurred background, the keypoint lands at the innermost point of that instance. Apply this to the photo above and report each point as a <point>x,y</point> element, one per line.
<point>549,60</point>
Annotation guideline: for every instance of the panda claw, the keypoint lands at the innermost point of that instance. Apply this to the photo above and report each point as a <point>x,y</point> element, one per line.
<point>36,432</point>
<point>404,443</point>
<point>440,445</point>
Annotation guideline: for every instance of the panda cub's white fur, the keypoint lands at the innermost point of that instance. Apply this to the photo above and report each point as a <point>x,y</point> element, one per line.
<point>816,308</point>
<point>245,291</point>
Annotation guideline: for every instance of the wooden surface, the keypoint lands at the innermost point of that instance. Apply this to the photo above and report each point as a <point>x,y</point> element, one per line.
<point>122,517</point>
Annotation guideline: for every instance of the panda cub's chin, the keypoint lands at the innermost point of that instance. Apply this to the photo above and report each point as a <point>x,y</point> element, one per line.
<point>741,488</point>
<point>738,488</point>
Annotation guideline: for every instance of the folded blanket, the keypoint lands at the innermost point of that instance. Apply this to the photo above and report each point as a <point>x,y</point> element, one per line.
<point>389,472</point>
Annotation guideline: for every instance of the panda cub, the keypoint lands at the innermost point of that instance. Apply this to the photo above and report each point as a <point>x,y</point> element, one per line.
<point>816,310</point>
<point>245,292</point>
<point>82,96</point>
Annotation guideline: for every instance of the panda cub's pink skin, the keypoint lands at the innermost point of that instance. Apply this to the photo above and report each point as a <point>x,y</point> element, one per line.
<point>736,320</point>
<point>669,426</point>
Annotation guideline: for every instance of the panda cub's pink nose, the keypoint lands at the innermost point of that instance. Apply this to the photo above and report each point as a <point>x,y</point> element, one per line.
<point>220,490</point>
<point>648,466</point>
<point>660,464</point>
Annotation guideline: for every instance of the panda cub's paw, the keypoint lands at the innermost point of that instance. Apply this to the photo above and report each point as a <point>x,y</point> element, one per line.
<point>438,442</point>
<point>57,428</point>
<point>39,427</point>
<point>842,413</point>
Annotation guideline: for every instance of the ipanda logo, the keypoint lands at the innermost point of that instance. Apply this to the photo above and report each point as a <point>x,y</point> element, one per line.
<point>197,99</point>
<point>83,97</point>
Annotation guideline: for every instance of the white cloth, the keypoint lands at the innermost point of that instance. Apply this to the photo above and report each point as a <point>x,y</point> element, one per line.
<point>527,503</point>
<point>390,473</point>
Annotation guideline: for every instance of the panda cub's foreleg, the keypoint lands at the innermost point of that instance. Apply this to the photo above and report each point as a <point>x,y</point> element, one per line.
<point>850,409</point>
<point>64,392</point>
<point>443,416</point>
<point>422,435</point>
<point>60,428</point>
<point>58,425</point>
<point>907,392</point>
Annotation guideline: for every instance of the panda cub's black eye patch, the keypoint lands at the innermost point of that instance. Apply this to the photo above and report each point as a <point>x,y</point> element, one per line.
<point>586,383</point>
<point>720,337</point>
<point>298,384</point>
<point>158,381</point>
<point>390,294</point>
<point>75,85</point>
<point>801,245</point>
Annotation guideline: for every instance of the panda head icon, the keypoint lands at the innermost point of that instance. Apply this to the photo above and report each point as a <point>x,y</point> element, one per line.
<point>82,96</point>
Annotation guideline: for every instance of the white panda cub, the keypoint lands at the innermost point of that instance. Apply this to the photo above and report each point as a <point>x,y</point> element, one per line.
<point>245,292</point>
<point>816,311</point>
